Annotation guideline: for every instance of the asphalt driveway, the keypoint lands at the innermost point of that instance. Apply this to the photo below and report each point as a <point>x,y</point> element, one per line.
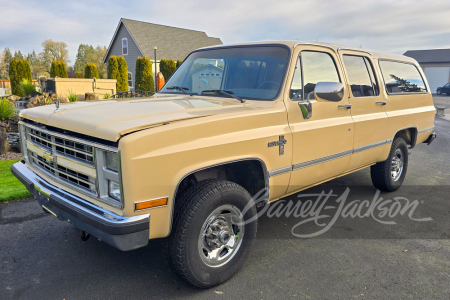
<point>44,258</point>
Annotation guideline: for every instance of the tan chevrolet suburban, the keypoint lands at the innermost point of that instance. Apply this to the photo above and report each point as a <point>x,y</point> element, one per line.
<point>235,124</point>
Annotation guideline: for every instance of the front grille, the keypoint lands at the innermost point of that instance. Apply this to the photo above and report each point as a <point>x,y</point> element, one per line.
<point>72,159</point>
<point>70,176</point>
<point>64,146</point>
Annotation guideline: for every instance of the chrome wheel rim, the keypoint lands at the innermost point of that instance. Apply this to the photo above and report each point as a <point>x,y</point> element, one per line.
<point>221,235</point>
<point>397,164</point>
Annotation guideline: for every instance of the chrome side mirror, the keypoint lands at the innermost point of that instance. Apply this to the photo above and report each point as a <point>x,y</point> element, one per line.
<point>329,91</point>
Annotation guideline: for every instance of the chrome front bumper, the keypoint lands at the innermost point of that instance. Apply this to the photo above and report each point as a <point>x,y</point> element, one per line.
<point>123,233</point>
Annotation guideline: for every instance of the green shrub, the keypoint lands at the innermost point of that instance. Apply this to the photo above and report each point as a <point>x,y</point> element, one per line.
<point>167,67</point>
<point>27,87</point>
<point>7,110</point>
<point>106,96</point>
<point>14,77</point>
<point>58,68</point>
<point>178,63</point>
<point>90,71</point>
<point>62,70</point>
<point>113,67</point>
<point>79,74</point>
<point>122,76</point>
<point>18,70</point>
<point>72,96</point>
<point>144,75</point>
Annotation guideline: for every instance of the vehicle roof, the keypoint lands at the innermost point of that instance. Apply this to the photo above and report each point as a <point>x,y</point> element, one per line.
<point>335,47</point>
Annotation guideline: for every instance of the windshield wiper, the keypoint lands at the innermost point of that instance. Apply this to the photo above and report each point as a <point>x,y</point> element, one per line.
<point>179,88</point>
<point>228,93</point>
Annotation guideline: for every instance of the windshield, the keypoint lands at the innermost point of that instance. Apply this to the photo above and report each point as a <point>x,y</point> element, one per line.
<point>247,72</point>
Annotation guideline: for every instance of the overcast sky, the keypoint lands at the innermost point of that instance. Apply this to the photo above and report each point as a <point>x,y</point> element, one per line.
<point>390,26</point>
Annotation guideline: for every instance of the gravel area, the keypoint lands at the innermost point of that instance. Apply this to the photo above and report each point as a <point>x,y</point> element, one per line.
<point>11,155</point>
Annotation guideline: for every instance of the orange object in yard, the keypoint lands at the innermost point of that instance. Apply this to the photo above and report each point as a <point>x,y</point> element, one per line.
<point>159,81</point>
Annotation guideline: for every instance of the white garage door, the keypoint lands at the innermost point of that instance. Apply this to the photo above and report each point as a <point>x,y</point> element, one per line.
<point>436,77</point>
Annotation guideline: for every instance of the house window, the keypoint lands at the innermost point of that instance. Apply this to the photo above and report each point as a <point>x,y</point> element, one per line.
<point>130,80</point>
<point>124,46</point>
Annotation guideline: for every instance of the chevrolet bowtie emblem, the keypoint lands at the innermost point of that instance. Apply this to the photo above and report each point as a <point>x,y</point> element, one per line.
<point>48,156</point>
<point>281,141</point>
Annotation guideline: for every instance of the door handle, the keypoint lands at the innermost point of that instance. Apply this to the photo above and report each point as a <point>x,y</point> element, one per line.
<point>347,106</point>
<point>381,102</point>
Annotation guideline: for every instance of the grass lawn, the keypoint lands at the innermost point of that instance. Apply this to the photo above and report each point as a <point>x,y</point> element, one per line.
<point>10,187</point>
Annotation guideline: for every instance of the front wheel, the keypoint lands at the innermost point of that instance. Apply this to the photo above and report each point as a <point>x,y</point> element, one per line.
<point>212,234</point>
<point>439,92</point>
<point>389,175</point>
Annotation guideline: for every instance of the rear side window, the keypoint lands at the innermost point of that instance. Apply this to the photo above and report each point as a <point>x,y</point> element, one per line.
<point>317,67</point>
<point>400,77</point>
<point>361,76</point>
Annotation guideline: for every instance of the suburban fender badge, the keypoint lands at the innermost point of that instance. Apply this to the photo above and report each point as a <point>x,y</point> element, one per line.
<point>281,141</point>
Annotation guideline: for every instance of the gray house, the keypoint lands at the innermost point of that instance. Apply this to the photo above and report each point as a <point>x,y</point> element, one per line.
<point>435,64</point>
<point>134,38</point>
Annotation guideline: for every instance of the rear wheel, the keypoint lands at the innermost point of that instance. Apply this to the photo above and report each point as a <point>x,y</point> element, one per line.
<point>210,239</point>
<point>389,175</point>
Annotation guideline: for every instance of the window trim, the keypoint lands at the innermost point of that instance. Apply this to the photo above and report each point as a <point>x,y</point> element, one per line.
<point>402,62</point>
<point>131,80</point>
<point>373,71</point>
<point>301,65</point>
<point>126,39</point>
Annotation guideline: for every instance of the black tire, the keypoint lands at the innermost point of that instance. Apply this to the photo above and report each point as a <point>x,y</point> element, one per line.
<point>382,177</point>
<point>191,211</point>
<point>438,92</point>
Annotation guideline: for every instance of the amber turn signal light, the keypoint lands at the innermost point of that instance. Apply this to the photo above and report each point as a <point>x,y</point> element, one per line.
<point>150,203</point>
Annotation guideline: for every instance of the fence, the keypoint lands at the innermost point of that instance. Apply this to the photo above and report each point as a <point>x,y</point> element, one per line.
<point>5,87</point>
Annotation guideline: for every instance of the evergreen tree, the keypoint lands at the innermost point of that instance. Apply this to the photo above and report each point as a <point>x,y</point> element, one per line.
<point>83,52</point>
<point>62,70</point>
<point>7,55</point>
<point>167,67</point>
<point>90,71</point>
<point>18,55</point>
<point>144,75</point>
<point>54,69</point>
<point>14,77</point>
<point>122,77</point>
<point>178,63</point>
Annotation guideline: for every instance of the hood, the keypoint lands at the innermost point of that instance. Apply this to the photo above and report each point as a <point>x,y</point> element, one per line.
<point>110,119</point>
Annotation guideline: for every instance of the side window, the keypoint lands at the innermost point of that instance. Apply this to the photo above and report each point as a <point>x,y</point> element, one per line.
<point>296,87</point>
<point>400,77</point>
<point>361,76</point>
<point>130,79</point>
<point>447,85</point>
<point>317,67</point>
<point>124,46</point>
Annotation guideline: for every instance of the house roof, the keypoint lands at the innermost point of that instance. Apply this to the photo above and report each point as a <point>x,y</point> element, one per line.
<point>172,42</point>
<point>430,56</point>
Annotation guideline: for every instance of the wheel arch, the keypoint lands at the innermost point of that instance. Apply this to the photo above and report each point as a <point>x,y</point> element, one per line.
<point>231,166</point>
<point>409,134</point>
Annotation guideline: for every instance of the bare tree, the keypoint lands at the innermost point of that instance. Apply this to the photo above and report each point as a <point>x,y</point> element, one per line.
<point>54,51</point>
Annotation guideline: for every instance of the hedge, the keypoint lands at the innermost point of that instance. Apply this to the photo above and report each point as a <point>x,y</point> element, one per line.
<point>90,71</point>
<point>18,70</point>
<point>122,76</point>
<point>178,63</point>
<point>167,67</point>
<point>144,75</point>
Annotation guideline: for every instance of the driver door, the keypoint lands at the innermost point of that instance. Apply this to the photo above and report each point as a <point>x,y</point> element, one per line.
<point>322,144</point>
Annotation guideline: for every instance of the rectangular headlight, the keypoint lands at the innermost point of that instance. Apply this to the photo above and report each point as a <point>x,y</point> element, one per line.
<point>114,190</point>
<point>112,161</point>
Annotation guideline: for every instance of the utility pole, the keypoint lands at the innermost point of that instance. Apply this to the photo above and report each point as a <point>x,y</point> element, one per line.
<point>155,71</point>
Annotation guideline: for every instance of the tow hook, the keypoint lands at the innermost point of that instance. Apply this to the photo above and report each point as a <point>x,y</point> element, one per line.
<point>85,236</point>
